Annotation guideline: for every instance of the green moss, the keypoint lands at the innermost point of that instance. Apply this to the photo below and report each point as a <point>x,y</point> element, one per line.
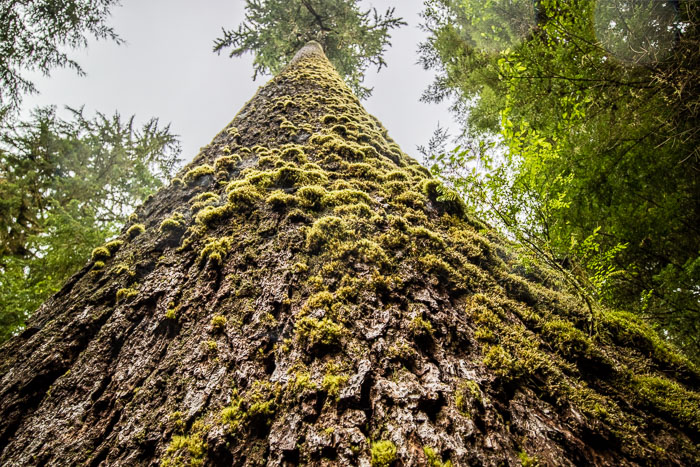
<point>364,250</point>
<point>97,265</point>
<point>171,312</point>
<point>123,268</point>
<point>190,448</point>
<point>125,294</point>
<point>362,170</point>
<point>173,223</point>
<point>526,460</point>
<point>302,382</point>
<point>445,198</point>
<point>311,196</point>
<point>244,197</point>
<point>227,163</point>
<point>467,397</point>
<point>218,323</point>
<point>670,398</point>
<point>383,453</point>
<point>565,338</point>
<point>421,327</point>
<point>325,231</point>
<point>434,460</point>
<point>114,246</point>
<point>193,175</point>
<point>294,153</point>
<point>258,406</point>
<point>329,119</point>
<point>177,182</point>
<point>347,196</point>
<point>234,414</point>
<point>300,268</point>
<point>202,200</point>
<point>135,230</point>
<point>210,215</point>
<point>280,200</point>
<point>289,176</point>
<point>313,332</point>
<point>333,380</point>
<point>100,254</point>
<point>215,250</point>
<point>628,330</point>
<point>500,361</point>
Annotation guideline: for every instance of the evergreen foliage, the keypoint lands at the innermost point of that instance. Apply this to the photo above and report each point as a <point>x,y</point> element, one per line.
<point>65,187</point>
<point>34,36</point>
<point>587,116</point>
<point>273,30</point>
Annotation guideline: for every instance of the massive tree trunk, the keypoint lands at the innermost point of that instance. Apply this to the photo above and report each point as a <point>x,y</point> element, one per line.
<point>306,293</point>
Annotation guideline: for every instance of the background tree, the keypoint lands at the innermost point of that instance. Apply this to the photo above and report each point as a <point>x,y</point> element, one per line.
<point>595,164</point>
<point>34,36</point>
<point>273,30</point>
<point>66,187</point>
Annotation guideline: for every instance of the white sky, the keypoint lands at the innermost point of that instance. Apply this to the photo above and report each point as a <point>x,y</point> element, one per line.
<point>167,70</point>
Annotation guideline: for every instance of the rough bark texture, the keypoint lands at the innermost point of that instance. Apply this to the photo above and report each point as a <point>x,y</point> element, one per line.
<point>306,293</point>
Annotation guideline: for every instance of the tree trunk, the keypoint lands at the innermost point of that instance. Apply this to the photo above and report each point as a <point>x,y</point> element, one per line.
<point>306,293</point>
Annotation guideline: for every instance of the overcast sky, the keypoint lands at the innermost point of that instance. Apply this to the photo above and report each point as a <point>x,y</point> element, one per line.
<point>167,70</point>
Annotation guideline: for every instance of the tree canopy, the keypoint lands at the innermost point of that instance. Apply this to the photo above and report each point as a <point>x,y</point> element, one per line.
<point>593,162</point>
<point>65,187</point>
<point>34,36</point>
<point>273,30</point>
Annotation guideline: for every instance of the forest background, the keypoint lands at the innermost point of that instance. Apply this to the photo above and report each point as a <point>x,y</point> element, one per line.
<point>574,131</point>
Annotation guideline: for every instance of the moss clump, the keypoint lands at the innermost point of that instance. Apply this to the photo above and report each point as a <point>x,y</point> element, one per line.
<point>257,407</point>
<point>210,215</point>
<point>565,338</point>
<point>234,414</point>
<point>218,323</point>
<point>526,460</point>
<point>294,153</point>
<point>311,196</point>
<point>125,294</point>
<point>383,453</point>
<point>227,163</point>
<point>314,332</point>
<point>434,460</point>
<point>280,200</point>
<point>445,198</point>
<point>190,448</point>
<point>177,182</point>
<point>97,265</point>
<point>324,231</point>
<point>347,196</point>
<point>421,327</point>
<point>193,175</point>
<point>500,361</point>
<point>671,398</point>
<point>173,223</point>
<point>135,230</point>
<point>244,197</point>
<point>215,250</point>
<point>100,254</point>
<point>467,397</point>
<point>202,200</point>
<point>333,380</point>
<point>114,246</point>
<point>171,312</point>
<point>302,382</point>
